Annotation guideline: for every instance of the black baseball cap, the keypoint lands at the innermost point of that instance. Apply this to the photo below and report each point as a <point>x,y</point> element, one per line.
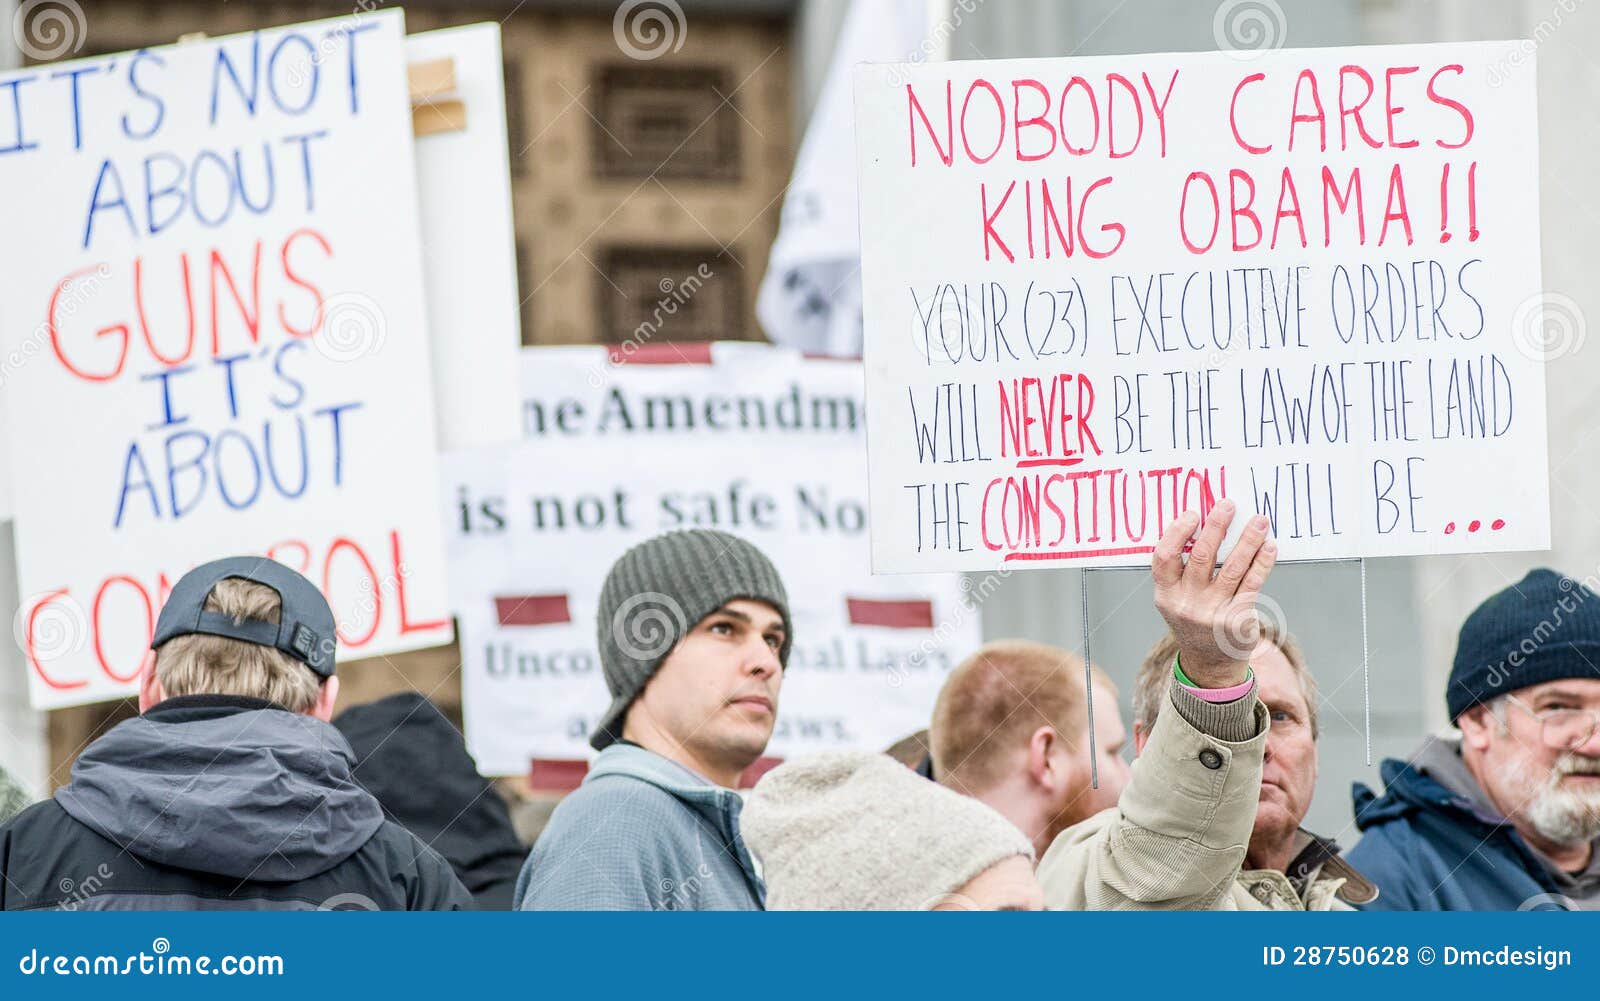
<point>304,631</point>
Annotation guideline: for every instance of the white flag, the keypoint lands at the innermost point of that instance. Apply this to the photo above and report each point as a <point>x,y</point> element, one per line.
<point>811,294</point>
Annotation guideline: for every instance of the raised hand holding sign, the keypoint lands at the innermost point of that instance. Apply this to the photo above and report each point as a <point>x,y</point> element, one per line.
<point>1209,607</point>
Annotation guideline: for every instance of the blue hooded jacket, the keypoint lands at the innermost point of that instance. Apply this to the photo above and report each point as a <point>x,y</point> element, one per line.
<point>1432,849</point>
<point>642,833</point>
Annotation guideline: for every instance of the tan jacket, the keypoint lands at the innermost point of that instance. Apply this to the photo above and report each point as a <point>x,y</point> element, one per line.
<point>1176,839</point>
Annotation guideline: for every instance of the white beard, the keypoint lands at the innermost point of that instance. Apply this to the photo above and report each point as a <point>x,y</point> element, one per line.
<point>1562,816</point>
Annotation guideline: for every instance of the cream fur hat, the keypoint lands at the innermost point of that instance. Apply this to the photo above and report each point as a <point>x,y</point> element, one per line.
<point>854,830</point>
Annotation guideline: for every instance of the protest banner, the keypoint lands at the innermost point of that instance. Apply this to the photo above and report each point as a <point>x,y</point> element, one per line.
<point>1099,292</point>
<point>746,438</point>
<point>468,242</point>
<point>810,297</point>
<point>221,297</point>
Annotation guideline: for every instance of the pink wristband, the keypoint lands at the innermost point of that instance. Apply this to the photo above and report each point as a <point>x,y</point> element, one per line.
<point>1220,694</point>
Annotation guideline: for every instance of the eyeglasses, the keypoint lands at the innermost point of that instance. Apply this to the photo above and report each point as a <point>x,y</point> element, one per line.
<point>1562,729</point>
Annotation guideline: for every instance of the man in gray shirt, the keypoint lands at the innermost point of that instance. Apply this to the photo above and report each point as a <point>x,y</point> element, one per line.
<point>694,632</point>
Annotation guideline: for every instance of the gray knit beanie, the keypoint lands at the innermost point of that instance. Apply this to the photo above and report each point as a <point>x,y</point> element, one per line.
<point>855,830</point>
<point>659,590</point>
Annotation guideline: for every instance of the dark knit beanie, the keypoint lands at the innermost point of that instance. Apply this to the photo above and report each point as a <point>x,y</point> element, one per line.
<point>1544,628</point>
<point>658,591</point>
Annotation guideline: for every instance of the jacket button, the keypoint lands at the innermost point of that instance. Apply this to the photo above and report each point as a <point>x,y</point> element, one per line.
<point>1211,759</point>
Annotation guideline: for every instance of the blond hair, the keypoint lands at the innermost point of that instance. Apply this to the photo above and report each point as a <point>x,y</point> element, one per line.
<point>996,699</point>
<point>1155,674</point>
<point>200,664</point>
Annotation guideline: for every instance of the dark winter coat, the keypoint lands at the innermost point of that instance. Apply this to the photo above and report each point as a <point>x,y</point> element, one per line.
<point>211,802</point>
